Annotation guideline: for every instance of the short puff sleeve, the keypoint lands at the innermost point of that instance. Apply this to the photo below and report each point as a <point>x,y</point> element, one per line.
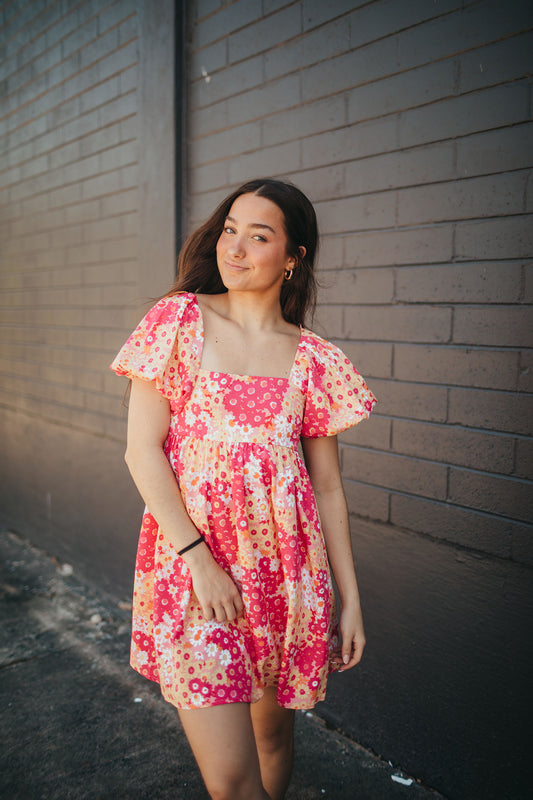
<point>337,397</point>
<point>147,353</point>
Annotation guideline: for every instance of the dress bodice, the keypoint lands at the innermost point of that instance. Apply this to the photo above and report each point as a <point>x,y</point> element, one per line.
<point>237,408</point>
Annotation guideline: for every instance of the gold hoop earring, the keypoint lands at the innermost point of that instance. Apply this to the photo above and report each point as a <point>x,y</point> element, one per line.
<point>288,274</point>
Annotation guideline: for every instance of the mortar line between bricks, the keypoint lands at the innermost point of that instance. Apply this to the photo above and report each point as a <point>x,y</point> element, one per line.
<point>490,515</point>
<point>452,543</point>
<point>378,154</point>
<point>84,200</point>
<point>451,337</point>
<point>60,20</point>
<point>61,82</point>
<point>351,88</point>
<point>58,42</point>
<point>393,35</point>
<point>62,423</point>
<point>437,501</point>
<point>434,462</point>
<point>72,97</point>
<point>78,139</point>
<point>66,184</point>
<point>447,426</point>
<point>387,190</point>
<point>66,225</point>
<point>72,141</point>
<point>59,385</point>
<point>67,287</point>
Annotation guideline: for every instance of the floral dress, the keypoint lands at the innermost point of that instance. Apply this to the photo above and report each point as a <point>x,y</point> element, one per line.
<point>233,446</point>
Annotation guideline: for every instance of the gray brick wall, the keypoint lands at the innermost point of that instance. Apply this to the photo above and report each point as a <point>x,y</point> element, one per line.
<point>69,177</point>
<point>409,125</point>
<point>86,119</point>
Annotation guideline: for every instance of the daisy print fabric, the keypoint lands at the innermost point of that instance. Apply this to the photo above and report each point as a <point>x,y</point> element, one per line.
<point>233,446</point>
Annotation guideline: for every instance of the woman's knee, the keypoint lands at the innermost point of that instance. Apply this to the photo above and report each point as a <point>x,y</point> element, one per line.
<point>275,736</point>
<point>273,725</point>
<point>233,787</point>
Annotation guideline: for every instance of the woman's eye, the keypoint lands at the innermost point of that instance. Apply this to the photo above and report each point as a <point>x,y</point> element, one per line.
<point>259,237</point>
<point>228,229</point>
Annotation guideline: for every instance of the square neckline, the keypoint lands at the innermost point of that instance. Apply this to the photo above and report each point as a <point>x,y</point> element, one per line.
<point>235,374</point>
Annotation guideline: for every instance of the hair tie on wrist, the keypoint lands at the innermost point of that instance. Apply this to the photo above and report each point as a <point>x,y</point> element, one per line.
<point>190,546</point>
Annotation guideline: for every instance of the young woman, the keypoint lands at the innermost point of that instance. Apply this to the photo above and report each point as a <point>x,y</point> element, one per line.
<point>234,612</point>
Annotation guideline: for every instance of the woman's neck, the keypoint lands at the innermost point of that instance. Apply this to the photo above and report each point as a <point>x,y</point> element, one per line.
<point>251,312</point>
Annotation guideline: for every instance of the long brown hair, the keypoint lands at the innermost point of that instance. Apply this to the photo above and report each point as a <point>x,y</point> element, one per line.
<point>197,263</point>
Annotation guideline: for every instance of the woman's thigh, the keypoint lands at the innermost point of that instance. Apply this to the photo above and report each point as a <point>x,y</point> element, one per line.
<point>222,740</point>
<point>273,725</point>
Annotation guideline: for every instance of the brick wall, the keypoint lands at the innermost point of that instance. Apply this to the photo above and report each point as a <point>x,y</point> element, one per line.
<point>408,124</point>
<point>69,204</point>
<point>80,82</point>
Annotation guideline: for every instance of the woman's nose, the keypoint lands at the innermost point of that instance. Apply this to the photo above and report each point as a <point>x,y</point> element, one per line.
<point>237,245</point>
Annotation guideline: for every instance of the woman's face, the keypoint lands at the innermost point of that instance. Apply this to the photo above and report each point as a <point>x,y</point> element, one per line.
<point>252,248</point>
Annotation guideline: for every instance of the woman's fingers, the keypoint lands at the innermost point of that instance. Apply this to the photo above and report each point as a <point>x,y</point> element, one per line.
<point>232,608</point>
<point>220,613</point>
<point>226,607</point>
<point>352,653</point>
<point>224,612</point>
<point>218,594</point>
<point>352,635</point>
<point>239,606</point>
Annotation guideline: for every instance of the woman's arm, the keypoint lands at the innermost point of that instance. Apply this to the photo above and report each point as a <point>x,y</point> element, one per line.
<point>322,461</point>
<point>148,423</point>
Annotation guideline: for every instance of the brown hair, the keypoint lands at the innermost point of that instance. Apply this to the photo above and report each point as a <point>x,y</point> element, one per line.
<point>197,263</point>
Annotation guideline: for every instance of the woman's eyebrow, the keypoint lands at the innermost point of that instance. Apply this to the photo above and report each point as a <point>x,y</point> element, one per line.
<point>253,224</point>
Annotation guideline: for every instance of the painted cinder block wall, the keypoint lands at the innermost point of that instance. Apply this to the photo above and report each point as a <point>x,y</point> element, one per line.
<point>87,235</point>
<point>409,126</point>
<point>408,123</point>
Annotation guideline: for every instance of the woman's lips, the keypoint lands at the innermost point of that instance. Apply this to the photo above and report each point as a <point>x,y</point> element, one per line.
<point>238,267</point>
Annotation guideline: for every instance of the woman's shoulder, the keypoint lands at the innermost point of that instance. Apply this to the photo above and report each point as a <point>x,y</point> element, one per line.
<point>317,346</point>
<point>171,308</point>
<point>177,301</point>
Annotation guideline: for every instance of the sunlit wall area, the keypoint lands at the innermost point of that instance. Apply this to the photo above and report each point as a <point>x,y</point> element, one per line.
<point>87,142</point>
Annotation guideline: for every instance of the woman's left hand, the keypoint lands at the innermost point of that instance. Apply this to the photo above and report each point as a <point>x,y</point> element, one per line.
<point>353,639</point>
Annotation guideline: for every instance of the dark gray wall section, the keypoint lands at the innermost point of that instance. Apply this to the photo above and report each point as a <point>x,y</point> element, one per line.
<point>445,684</point>
<point>71,493</point>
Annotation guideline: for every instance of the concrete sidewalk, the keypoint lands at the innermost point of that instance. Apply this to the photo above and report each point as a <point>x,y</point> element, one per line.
<point>77,722</point>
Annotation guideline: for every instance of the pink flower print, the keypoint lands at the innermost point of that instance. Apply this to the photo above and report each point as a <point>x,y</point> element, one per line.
<point>199,429</point>
<point>254,404</point>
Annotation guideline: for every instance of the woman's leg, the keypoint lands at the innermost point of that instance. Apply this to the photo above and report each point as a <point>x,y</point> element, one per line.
<point>222,740</point>
<point>274,736</point>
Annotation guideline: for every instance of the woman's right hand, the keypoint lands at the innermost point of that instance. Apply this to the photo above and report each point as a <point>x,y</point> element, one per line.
<point>215,589</point>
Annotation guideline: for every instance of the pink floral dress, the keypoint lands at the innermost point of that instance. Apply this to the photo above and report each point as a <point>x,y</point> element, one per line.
<point>232,444</point>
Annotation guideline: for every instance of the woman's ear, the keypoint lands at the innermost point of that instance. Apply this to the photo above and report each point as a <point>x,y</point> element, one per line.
<point>293,260</point>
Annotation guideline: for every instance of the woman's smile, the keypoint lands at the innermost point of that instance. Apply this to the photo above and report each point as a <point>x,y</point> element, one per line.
<point>239,267</point>
<point>253,244</point>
